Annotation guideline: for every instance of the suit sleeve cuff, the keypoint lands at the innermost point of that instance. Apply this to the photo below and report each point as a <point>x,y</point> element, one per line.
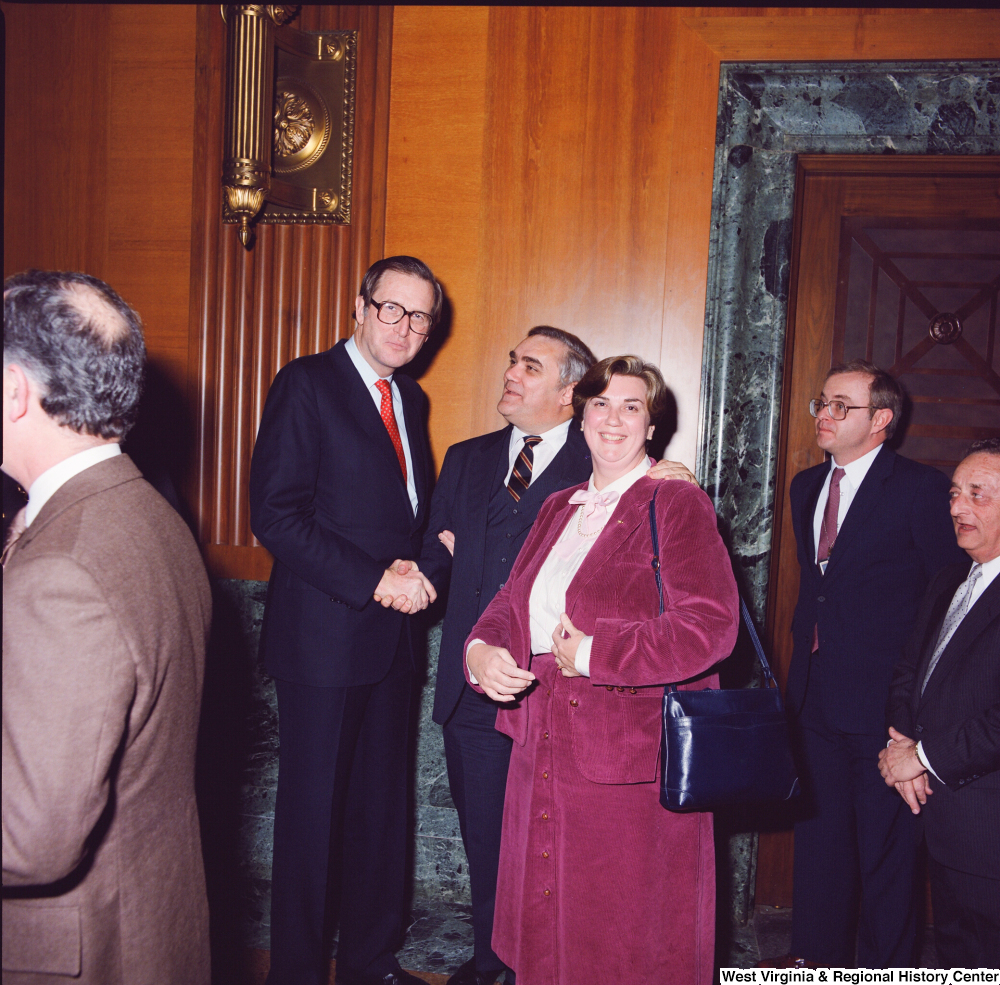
<point>921,755</point>
<point>582,661</point>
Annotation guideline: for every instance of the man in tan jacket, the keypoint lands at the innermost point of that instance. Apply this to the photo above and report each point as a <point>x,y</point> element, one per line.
<point>106,610</point>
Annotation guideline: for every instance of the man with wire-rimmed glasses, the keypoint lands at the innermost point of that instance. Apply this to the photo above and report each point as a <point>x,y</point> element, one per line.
<point>872,528</point>
<point>340,486</point>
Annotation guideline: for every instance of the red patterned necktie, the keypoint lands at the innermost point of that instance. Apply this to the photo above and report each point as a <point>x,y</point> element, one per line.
<point>828,533</point>
<point>389,420</point>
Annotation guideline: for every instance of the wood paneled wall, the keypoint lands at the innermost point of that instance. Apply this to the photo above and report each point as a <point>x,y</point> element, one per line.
<point>554,165</point>
<point>292,294</point>
<point>98,156</point>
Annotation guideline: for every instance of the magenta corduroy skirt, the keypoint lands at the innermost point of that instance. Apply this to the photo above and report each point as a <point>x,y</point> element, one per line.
<point>598,883</point>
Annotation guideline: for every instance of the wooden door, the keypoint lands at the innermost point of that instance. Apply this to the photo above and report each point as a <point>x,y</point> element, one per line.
<point>884,247</point>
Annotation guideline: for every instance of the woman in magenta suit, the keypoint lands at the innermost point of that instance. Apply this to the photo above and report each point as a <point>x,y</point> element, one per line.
<point>598,883</point>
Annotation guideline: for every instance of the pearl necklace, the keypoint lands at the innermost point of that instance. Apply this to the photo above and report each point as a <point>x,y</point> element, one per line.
<point>579,525</point>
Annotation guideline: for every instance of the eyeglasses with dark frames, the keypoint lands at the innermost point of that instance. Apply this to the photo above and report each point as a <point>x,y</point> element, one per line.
<point>392,313</point>
<point>837,408</point>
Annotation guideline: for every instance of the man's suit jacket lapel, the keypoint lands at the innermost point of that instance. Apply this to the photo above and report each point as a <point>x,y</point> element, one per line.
<point>984,611</point>
<point>849,537</point>
<point>481,469</point>
<point>419,449</point>
<point>360,405</point>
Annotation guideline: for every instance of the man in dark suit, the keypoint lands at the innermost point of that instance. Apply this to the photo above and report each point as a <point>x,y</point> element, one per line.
<point>340,486</point>
<point>486,499</point>
<point>944,715</point>
<point>872,529</point>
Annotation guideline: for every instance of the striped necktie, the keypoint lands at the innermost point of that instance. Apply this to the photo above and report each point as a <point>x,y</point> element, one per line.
<point>520,476</point>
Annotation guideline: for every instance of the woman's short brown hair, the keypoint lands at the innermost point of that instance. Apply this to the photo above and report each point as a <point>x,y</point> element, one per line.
<point>598,378</point>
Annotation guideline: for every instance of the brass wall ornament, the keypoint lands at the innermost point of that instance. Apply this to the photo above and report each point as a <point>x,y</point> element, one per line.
<point>945,328</point>
<point>246,164</point>
<point>301,126</point>
<point>292,164</point>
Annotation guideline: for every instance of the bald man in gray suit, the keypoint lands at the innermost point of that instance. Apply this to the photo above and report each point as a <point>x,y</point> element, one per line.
<point>106,611</point>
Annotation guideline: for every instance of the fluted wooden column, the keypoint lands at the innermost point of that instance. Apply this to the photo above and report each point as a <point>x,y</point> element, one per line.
<point>291,295</point>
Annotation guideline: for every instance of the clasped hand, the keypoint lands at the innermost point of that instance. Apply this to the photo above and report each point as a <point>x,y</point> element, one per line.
<point>565,642</point>
<point>496,671</point>
<point>901,768</point>
<point>404,588</point>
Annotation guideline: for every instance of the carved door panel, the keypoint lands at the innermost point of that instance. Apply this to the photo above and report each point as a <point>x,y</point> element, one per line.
<point>895,259</point>
<point>919,297</point>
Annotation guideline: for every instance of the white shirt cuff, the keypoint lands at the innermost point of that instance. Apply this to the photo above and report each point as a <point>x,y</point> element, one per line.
<point>472,677</point>
<point>582,660</point>
<point>923,759</point>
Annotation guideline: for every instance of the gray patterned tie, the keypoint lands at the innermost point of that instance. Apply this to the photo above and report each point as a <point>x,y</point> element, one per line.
<point>956,613</point>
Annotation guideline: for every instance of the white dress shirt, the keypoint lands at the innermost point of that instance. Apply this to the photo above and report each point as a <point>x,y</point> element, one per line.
<point>51,480</point>
<point>850,482</point>
<point>543,452</point>
<point>370,378</point>
<point>989,571</point>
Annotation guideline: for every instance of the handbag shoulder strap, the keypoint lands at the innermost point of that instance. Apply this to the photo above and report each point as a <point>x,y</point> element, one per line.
<point>744,611</point>
<point>755,639</point>
<point>656,547</point>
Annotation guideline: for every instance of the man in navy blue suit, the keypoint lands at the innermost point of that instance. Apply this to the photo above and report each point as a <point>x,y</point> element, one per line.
<point>340,487</point>
<point>872,530</point>
<point>483,510</point>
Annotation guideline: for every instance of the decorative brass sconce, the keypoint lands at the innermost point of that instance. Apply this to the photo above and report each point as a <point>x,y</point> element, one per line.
<point>292,163</point>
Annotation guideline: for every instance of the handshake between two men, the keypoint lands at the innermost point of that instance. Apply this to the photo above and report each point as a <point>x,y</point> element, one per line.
<point>403,586</point>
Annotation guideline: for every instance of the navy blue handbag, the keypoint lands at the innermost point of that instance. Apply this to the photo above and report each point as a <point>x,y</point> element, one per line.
<point>720,747</point>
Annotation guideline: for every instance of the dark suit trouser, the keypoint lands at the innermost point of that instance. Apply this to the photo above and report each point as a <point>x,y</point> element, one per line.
<point>478,756</point>
<point>857,835</point>
<point>966,918</point>
<point>342,767</point>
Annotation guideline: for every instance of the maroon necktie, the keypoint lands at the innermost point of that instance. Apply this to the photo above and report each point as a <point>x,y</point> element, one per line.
<point>389,419</point>
<point>828,533</point>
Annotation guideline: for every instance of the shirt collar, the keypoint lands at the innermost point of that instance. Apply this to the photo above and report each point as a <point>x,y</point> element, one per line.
<point>624,482</point>
<point>990,570</point>
<point>51,480</point>
<point>368,375</point>
<point>858,469</point>
<point>559,431</point>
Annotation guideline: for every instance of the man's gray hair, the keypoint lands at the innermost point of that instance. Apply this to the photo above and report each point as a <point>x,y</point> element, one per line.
<point>81,344</point>
<point>984,446</point>
<point>578,358</point>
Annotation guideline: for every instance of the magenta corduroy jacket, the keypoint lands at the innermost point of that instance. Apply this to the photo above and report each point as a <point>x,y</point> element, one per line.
<point>613,598</point>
